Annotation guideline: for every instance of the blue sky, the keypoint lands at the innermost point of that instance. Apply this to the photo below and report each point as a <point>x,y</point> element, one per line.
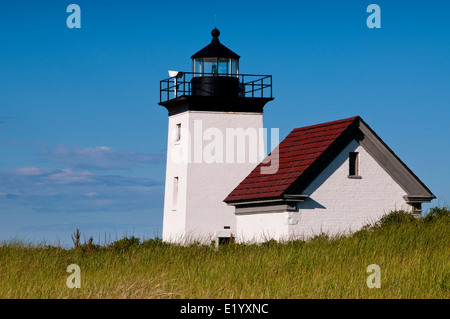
<point>83,141</point>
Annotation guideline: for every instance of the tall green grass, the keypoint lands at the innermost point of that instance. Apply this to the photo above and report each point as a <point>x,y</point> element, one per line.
<point>413,256</point>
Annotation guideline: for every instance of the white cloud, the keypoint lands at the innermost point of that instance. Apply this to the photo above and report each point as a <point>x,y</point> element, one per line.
<point>69,176</point>
<point>32,171</point>
<point>90,194</point>
<point>101,157</point>
<point>73,190</point>
<point>82,183</point>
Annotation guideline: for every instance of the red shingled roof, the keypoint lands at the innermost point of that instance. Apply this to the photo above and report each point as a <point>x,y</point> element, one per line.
<point>296,153</point>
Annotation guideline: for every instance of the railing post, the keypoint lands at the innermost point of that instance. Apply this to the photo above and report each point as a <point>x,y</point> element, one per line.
<point>262,87</point>
<point>270,86</point>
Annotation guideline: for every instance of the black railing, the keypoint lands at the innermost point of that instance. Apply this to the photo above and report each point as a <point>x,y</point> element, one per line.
<point>250,85</point>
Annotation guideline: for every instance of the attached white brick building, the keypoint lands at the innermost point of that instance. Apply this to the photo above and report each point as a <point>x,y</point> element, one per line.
<point>330,178</point>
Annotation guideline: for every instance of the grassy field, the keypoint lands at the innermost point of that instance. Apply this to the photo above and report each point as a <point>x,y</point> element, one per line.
<point>413,256</point>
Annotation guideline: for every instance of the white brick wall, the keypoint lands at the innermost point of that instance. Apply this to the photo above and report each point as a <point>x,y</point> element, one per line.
<point>262,227</point>
<point>203,186</point>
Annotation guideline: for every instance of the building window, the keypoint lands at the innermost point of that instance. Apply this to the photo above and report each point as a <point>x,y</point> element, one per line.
<point>353,165</point>
<point>178,132</point>
<point>175,193</point>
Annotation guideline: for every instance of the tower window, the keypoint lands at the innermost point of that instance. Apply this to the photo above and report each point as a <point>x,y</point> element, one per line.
<point>178,132</point>
<point>175,193</point>
<point>353,165</point>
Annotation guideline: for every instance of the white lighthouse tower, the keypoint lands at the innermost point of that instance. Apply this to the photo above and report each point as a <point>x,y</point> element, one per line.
<point>214,142</point>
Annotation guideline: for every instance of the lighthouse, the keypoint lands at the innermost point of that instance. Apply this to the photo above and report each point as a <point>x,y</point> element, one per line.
<point>214,141</point>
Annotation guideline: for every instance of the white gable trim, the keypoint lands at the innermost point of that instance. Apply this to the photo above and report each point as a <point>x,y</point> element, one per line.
<point>387,159</point>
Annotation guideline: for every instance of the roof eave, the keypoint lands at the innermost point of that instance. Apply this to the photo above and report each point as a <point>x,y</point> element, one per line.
<point>274,205</point>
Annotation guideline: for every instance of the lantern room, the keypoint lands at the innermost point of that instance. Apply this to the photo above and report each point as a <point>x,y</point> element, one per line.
<point>215,83</point>
<point>215,59</point>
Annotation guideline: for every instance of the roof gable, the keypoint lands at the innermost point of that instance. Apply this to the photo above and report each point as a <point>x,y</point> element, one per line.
<point>306,151</point>
<point>301,148</point>
<point>416,190</point>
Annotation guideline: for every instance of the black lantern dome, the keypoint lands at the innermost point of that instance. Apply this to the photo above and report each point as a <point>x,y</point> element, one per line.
<point>215,70</point>
<point>215,59</point>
